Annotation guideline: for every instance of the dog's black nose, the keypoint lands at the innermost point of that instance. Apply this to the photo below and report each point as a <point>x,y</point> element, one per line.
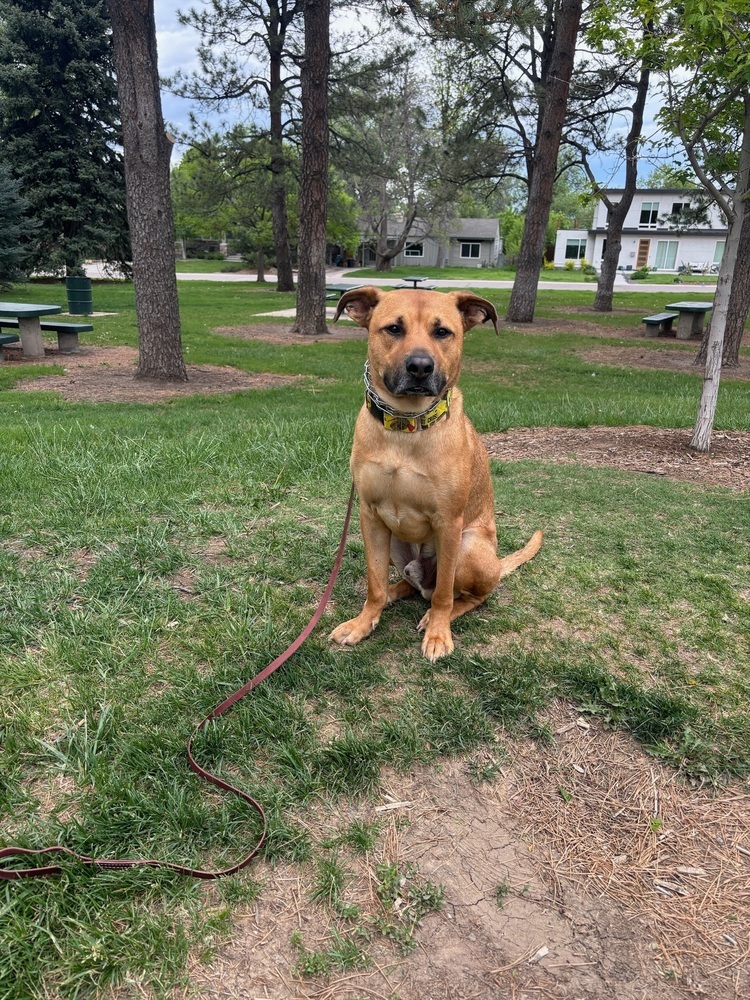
<point>420,365</point>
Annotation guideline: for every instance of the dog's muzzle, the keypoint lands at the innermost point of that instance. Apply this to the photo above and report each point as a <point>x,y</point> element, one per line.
<point>416,376</point>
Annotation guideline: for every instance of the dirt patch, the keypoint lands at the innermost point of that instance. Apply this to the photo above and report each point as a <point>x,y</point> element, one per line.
<point>673,359</point>
<point>629,885</point>
<point>280,333</point>
<point>651,450</point>
<point>106,375</point>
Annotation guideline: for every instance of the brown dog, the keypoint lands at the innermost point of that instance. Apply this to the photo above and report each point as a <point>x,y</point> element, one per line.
<point>420,470</point>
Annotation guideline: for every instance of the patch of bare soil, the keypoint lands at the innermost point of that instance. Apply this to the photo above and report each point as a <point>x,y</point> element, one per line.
<point>106,375</point>
<point>628,885</point>
<point>673,360</point>
<point>281,334</point>
<point>651,450</point>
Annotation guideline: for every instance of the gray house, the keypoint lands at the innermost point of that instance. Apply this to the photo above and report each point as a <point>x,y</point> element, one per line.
<point>465,243</point>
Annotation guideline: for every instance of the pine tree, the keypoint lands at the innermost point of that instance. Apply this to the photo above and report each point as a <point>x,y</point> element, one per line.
<point>59,129</point>
<point>12,227</point>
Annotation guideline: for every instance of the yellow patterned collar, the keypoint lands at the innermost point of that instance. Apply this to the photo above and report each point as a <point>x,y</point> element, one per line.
<point>408,422</point>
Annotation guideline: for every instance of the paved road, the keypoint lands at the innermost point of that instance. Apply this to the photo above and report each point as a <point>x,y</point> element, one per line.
<point>96,270</point>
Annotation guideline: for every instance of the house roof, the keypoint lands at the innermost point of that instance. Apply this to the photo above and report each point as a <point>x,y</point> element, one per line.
<point>478,229</point>
<point>462,229</point>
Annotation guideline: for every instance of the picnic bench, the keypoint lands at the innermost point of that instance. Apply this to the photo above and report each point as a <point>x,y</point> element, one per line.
<point>7,338</point>
<point>67,333</point>
<point>692,316</point>
<point>334,292</point>
<point>415,281</point>
<point>26,315</point>
<point>659,323</point>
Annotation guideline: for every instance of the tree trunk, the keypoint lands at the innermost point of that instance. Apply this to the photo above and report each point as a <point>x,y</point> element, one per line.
<point>523,296</point>
<point>704,423</point>
<point>739,303</point>
<point>311,279</point>
<point>261,276</point>
<point>282,249</point>
<point>147,151</point>
<point>618,212</point>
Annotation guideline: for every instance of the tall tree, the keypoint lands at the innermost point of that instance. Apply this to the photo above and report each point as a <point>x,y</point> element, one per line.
<point>386,149</point>
<point>245,60</point>
<point>714,98</point>
<point>59,130</point>
<point>553,104</point>
<point>628,38</point>
<point>311,251</point>
<point>13,225</point>
<point>148,150</point>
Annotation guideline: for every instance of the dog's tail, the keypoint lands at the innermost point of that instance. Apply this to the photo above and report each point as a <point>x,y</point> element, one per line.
<point>516,559</point>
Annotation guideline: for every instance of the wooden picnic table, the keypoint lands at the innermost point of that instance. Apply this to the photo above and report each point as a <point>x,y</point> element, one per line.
<point>29,328</point>
<point>691,317</point>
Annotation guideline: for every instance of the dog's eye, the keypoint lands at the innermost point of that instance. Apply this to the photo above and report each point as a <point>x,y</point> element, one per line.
<point>394,329</point>
<point>442,332</point>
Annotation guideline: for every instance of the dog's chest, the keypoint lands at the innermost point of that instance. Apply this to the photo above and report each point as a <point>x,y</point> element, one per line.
<point>400,494</point>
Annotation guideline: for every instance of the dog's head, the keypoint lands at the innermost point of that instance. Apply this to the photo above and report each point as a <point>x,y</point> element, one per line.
<point>415,336</point>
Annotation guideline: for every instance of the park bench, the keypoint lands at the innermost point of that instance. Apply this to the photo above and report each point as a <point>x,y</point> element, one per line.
<point>659,323</point>
<point>7,338</point>
<point>67,333</point>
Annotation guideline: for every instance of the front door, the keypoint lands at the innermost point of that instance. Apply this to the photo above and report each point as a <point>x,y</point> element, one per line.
<point>642,259</point>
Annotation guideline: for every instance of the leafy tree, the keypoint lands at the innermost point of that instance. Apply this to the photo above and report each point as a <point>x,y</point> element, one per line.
<point>60,132</point>
<point>386,150</point>
<point>147,153</point>
<point>245,59</point>
<point>562,30</point>
<point>521,98</point>
<point>13,225</point>
<point>708,107</point>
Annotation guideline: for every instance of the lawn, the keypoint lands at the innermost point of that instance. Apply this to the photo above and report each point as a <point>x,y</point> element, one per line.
<point>467,273</point>
<point>155,557</point>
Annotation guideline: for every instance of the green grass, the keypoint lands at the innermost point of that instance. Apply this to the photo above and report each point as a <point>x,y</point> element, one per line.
<point>154,557</point>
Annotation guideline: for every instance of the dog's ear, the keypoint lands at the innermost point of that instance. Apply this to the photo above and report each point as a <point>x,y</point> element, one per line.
<point>474,310</point>
<point>359,304</point>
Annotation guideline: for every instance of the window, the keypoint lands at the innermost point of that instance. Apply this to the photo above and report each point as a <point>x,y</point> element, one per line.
<point>649,213</point>
<point>470,250</point>
<point>414,250</point>
<point>678,207</point>
<point>719,251</point>
<point>666,254</point>
<point>575,249</point>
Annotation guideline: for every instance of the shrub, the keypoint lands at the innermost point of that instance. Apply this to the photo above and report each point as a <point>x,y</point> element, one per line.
<point>569,265</point>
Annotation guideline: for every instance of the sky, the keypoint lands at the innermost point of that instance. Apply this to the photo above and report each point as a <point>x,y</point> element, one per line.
<point>177,46</point>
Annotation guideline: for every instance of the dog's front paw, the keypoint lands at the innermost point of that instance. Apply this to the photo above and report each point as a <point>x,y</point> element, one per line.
<point>354,631</point>
<point>436,644</point>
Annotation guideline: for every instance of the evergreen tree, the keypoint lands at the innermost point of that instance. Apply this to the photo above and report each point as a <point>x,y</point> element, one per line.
<point>12,227</point>
<point>59,129</point>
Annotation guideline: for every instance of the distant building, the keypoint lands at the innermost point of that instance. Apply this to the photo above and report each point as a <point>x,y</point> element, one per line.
<point>467,243</point>
<point>653,235</point>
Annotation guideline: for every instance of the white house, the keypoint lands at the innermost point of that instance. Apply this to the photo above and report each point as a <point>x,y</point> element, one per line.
<point>652,235</point>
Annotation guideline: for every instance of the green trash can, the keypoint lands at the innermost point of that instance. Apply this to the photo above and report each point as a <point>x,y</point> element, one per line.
<point>80,302</point>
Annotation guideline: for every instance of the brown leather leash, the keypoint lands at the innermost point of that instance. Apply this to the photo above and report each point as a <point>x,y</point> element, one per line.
<point>12,874</point>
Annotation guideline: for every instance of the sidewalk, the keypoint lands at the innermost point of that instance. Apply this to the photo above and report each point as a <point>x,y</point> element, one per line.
<point>341,276</point>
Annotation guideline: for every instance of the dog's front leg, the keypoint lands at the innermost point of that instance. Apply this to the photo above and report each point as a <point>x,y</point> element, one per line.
<point>436,624</point>
<point>377,538</point>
